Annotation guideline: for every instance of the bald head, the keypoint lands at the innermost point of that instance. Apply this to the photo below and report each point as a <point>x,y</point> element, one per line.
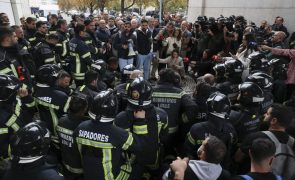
<point>279,36</point>
<point>209,78</point>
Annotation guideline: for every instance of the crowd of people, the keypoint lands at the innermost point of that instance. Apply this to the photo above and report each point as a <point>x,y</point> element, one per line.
<point>102,97</point>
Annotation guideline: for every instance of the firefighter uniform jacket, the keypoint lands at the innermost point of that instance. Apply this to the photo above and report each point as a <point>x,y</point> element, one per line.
<point>30,35</point>
<point>65,129</point>
<point>215,126</point>
<point>52,104</point>
<point>100,145</point>
<point>13,116</point>
<point>44,54</point>
<point>38,170</point>
<point>52,29</point>
<point>12,63</point>
<point>154,129</point>
<point>175,102</point>
<point>38,38</point>
<point>62,47</point>
<point>245,120</point>
<point>80,58</point>
<point>94,44</point>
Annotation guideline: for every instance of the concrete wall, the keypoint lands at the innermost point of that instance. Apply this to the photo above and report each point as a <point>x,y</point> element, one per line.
<point>15,9</point>
<point>254,10</point>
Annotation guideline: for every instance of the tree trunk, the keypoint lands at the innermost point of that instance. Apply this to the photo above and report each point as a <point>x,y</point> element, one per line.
<point>122,6</point>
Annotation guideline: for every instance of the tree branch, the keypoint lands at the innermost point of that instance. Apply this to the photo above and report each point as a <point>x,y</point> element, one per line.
<point>133,2</point>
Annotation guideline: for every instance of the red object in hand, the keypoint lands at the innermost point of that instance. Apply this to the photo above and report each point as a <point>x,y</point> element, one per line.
<point>20,73</point>
<point>185,60</point>
<point>216,58</point>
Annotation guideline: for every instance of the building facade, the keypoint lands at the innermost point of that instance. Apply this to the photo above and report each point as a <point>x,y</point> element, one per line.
<point>254,10</point>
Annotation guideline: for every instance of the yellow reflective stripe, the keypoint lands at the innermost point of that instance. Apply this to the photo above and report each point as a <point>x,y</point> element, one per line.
<point>66,107</point>
<point>125,172</point>
<point>3,130</point>
<point>79,76</point>
<point>64,50</point>
<point>107,164</point>
<point>54,120</point>
<point>58,45</point>
<point>160,124</point>
<point>172,130</point>
<point>168,95</point>
<point>48,60</point>
<point>82,88</point>
<point>127,86</point>
<point>25,47</point>
<point>52,32</point>
<point>15,127</point>
<point>140,129</point>
<point>96,50</point>
<point>88,42</point>
<point>12,119</point>
<point>191,139</point>
<point>128,142</point>
<point>73,170</point>
<point>32,104</point>
<point>13,70</point>
<point>86,55</point>
<point>32,39</point>
<point>5,71</point>
<point>92,143</point>
<point>55,140</point>
<point>38,101</point>
<point>64,130</point>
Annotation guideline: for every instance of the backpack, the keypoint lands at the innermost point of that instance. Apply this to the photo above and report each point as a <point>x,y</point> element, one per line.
<point>284,162</point>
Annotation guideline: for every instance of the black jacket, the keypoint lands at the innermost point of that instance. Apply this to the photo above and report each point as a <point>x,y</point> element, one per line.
<point>80,57</point>
<point>144,41</point>
<point>52,104</point>
<point>122,38</point>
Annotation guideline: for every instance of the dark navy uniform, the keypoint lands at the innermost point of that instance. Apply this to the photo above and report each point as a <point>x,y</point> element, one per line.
<point>154,129</point>
<point>44,54</point>
<point>181,111</point>
<point>62,47</point>
<point>12,63</point>
<point>30,35</point>
<point>245,120</point>
<point>94,44</point>
<point>38,38</point>
<point>230,88</point>
<point>38,170</point>
<point>65,129</point>
<point>80,59</point>
<point>100,145</point>
<point>52,104</point>
<point>52,29</point>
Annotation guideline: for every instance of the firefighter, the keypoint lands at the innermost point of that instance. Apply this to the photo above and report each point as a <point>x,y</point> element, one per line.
<point>62,47</point>
<point>44,52</point>
<point>80,55</point>
<point>180,107</point>
<point>29,149</point>
<point>154,128</point>
<point>51,103</point>
<point>100,143</point>
<point>66,126</point>
<point>15,103</point>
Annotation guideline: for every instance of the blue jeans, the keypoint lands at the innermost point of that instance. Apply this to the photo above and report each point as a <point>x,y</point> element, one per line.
<point>144,62</point>
<point>124,62</point>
